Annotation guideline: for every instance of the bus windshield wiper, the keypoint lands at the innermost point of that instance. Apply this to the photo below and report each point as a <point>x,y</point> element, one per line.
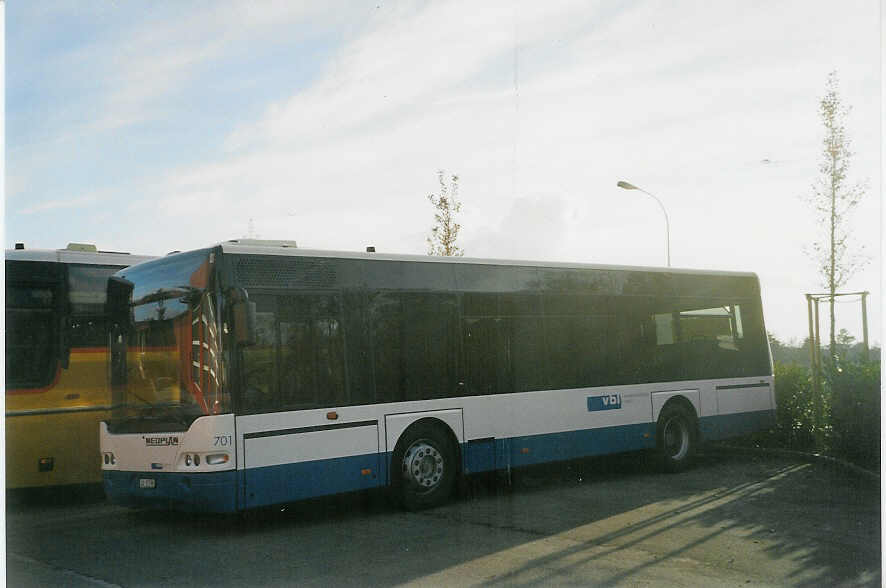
<point>144,401</point>
<point>175,415</point>
<point>167,294</point>
<point>159,412</point>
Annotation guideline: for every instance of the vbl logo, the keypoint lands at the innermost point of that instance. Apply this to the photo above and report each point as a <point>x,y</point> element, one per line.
<point>606,402</point>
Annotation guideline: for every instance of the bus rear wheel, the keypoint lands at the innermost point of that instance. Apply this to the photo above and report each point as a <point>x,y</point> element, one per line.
<point>676,438</point>
<point>423,467</point>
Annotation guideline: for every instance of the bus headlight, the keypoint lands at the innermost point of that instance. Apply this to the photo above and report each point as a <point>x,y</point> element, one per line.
<point>108,458</point>
<point>217,458</point>
<point>192,459</point>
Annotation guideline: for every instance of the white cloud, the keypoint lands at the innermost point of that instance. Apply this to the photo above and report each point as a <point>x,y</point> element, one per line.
<point>530,228</point>
<point>404,64</point>
<point>63,203</point>
<point>135,69</point>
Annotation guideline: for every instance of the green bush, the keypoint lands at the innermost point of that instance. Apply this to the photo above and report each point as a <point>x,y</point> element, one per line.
<point>855,413</point>
<point>842,419</point>
<point>802,416</point>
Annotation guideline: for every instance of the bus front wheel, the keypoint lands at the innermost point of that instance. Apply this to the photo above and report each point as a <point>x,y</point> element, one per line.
<point>423,467</point>
<point>676,438</point>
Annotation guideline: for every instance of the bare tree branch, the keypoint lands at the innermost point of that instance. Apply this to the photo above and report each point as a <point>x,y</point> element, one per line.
<point>444,233</point>
<point>833,200</point>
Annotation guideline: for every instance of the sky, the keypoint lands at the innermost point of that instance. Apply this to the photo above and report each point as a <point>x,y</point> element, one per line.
<point>161,126</point>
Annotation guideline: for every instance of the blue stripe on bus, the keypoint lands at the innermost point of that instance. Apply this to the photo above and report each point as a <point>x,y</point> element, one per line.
<point>204,492</point>
<point>296,481</point>
<point>218,492</point>
<point>724,426</point>
<point>534,449</point>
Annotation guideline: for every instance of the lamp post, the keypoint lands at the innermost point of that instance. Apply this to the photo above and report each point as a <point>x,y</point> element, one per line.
<point>628,186</point>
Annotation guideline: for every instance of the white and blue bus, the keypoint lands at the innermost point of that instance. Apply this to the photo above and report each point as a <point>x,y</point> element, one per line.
<point>255,373</point>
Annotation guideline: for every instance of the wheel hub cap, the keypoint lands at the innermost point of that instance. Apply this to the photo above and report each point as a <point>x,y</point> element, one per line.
<point>676,439</point>
<point>423,465</point>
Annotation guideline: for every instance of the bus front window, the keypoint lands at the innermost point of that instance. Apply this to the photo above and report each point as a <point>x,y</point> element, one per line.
<point>167,369</point>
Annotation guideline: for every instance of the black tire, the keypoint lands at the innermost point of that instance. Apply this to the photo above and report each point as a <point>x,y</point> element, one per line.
<point>676,438</point>
<point>423,467</point>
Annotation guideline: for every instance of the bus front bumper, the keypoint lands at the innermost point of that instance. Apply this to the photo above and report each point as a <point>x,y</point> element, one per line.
<point>204,492</point>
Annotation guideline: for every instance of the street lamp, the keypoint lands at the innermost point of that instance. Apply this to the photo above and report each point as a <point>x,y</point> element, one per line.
<point>628,186</point>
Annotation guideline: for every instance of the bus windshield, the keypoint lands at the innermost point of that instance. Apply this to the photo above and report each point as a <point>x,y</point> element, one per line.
<point>166,364</point>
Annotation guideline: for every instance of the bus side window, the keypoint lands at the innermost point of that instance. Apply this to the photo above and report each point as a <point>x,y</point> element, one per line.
<point>633,338</point>
<point>429,345</point>
<point>31,330</point>
<point>297,374</point>
<point>87,331</point>
<point>710,335</point>
<point>312,366</point>
<point>576,350</point>
<point>87,288</point>
<point>386,318</point>
<point>486,354</point>
<point>329,366</point>
<point>259,366</point>
<point>525,338</point>
<point>486,357</point>
<point>751,344</point>
<point>357,351</point>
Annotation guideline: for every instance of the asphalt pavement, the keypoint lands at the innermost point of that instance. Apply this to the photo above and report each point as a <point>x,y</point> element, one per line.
<point>732,520</point>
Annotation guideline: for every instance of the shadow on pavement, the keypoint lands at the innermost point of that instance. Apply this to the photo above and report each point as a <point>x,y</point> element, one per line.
<point>820,525</point>
<point>21,499</point>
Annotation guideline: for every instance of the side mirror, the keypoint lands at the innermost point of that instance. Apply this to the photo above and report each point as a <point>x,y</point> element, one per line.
<point>244,322</point>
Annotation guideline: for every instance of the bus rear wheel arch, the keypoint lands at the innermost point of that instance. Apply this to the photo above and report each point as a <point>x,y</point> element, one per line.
<point>424,466</point>
<point>676,436</point>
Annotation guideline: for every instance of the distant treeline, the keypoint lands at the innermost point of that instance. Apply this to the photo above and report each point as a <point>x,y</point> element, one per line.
<point>848,350</point>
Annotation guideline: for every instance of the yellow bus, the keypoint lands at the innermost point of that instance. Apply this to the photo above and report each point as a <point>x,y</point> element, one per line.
<point>57,389</point>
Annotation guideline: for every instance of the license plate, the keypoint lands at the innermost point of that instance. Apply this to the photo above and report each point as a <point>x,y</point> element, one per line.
<point>147,483</point>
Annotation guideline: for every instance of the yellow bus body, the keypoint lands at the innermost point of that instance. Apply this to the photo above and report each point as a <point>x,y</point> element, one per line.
<point>59,423</point>
<point>53,414</point>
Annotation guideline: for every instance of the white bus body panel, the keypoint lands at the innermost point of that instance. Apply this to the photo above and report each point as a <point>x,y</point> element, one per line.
<point>749,397</point>
<point>395,424</point>
<point>299,454</point>
<point>166,451</point>
<point>660,398</point>
<point>298,445</point>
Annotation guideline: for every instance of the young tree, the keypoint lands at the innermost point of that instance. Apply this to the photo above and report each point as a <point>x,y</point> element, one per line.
<point>833,198</point>
<point>445,230</point>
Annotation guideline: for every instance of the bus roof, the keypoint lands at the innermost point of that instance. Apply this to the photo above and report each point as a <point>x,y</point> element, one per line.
<point>76,256</point>
<point>255,247</point>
